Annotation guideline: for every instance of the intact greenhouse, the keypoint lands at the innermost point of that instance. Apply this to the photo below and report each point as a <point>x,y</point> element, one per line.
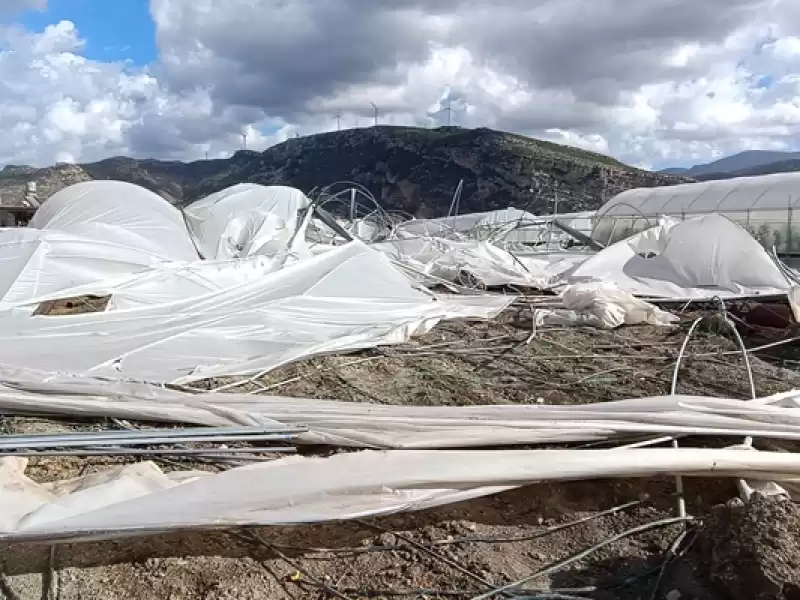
<point>764,205</point>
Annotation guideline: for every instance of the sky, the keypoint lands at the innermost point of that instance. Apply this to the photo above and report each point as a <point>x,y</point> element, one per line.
<point>653,83</point>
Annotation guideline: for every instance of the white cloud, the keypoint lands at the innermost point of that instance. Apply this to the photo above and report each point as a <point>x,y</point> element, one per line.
<point>649,82</point>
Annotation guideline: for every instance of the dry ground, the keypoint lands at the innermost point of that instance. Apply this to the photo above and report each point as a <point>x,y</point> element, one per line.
<point>456,551</point>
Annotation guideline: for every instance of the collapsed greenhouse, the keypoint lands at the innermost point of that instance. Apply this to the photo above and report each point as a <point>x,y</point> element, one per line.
<point>193,316</point>
<point>763,205</point>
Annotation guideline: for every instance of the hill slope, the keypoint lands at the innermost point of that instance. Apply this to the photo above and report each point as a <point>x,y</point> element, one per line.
<point>783,166</point>
<point>412,169</point>
<point>749,162</point>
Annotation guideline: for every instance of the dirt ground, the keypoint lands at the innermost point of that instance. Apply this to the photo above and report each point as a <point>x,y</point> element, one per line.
<point>459,551</point>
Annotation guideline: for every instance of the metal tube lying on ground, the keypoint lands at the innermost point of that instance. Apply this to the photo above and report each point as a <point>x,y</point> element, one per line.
<point>237,453</point>
<point>125,437</point>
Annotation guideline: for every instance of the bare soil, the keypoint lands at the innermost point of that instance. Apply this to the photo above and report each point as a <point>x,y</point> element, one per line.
<point>462,550</point>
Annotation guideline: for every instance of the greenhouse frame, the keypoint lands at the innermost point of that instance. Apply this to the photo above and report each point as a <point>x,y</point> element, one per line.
<point>763,205</point>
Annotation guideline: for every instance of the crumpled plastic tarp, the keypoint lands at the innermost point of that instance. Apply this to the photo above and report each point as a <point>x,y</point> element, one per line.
<point>368,425</point>
<point>350,297</point>
<point>487,263</point>
<point>698,258</point>
<point>602,305</point>
<point>245,220</point>
<point>141,498</point>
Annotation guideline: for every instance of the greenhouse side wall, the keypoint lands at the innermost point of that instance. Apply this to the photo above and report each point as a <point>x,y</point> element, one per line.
<point>772,228</point>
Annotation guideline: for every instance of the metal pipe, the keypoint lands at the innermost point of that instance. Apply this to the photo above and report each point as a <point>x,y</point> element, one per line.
<point>198,452</point>
<point>210,432</point>
<point>135,441</point>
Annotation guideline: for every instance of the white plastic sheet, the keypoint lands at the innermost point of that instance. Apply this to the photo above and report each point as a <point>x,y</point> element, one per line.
<point>602,305</point>
<point>348,298</point>
<point>365,425</point>
<point>449,260</point>
<point>38,265</point>
<point>245,220</point>
<point>141,498</point>
<point>697,258</point>
<point>120,213</point>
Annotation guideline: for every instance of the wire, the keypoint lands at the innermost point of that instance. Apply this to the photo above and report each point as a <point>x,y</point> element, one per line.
<point>583,554</point>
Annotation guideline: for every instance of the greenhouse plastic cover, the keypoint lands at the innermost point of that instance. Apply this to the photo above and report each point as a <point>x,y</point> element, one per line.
<point>140,498</point>
<point>36,265</point>
<point>350,297</point>
<point>119,213</point>
<point>774,192</point>
<point>698,258</point>
<point>508,225</point>
<point>368,425</point>
<point>448,259</point>
<point>245,220</point>
<point>174,317</point>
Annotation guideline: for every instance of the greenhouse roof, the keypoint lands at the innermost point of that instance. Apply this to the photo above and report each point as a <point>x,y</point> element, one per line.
<point>778,191</point>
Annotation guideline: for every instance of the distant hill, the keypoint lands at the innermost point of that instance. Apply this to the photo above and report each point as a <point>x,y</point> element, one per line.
<point>749,162</point>
<point>412,169</point>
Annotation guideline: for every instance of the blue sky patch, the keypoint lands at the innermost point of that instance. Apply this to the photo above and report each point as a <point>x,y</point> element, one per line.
<point>114,30</point>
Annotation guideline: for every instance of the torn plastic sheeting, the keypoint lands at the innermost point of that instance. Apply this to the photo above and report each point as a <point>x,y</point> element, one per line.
<point>245,220</point>
<point>340,487</point>
<point>602,305</point>
<point>38,265</point>
<point>397,426</point>
<point>348,298</point>
<point>698,258</point>
<point>447,259</point>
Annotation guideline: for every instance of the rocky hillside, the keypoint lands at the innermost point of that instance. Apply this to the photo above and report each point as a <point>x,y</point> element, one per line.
<point>411,169</point>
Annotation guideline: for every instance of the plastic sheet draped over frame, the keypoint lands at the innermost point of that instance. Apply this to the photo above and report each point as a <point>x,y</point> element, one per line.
<point>120,213</point>
<point>37,265</point>
<point>698,258</point>
<point>140,498</point>
<point>486,262</point>
<point>366,425</point>
<point>350,297</point>
<point>245,220</point>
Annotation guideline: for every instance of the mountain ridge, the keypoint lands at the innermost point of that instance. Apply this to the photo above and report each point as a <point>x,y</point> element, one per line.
<point>411,169</point>
<point>742,164</point>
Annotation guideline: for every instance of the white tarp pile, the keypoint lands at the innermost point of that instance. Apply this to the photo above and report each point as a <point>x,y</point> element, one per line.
<point>602,305</point>
<point>175,317</point>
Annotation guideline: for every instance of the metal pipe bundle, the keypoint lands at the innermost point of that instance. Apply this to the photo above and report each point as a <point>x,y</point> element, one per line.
<point>109,442</point>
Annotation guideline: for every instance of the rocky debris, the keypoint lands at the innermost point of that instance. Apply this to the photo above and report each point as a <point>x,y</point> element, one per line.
<point>753,550</point>
<point>412,169</point>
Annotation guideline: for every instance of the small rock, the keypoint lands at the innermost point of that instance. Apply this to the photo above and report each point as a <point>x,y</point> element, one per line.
<point>673,595</point>
<point>735,503</point>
